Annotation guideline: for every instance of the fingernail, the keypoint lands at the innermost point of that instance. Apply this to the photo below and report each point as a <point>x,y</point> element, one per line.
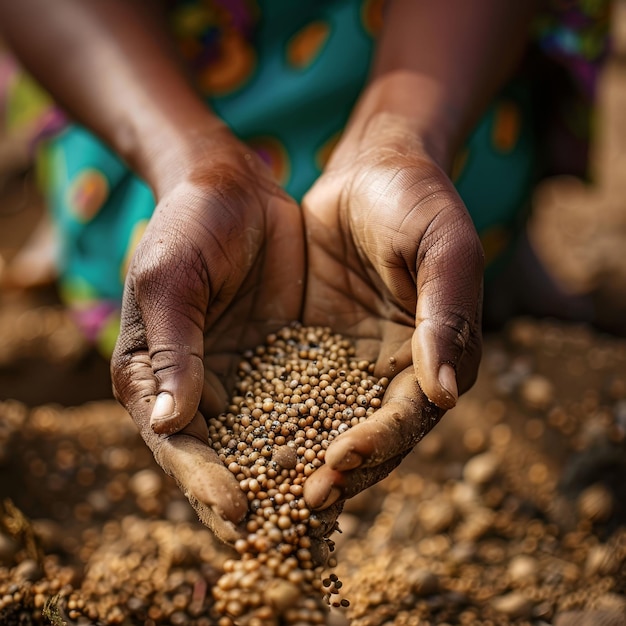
<point>447,379</point>
<point>332,497</point>
<point>351,460</point>
<point>164,408</point>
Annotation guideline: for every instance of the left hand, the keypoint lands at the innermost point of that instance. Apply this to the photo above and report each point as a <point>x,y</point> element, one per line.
<point>394,262</point>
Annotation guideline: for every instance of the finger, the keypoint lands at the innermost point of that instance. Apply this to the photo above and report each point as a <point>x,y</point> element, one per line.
<point>211,489</point>
<point>421,242</point>
<point>200,473</point>
<point>135,380</point>
<point>327,488</point>
<point>404,418</point>
<point>209,486</point>
<point>449,301</point>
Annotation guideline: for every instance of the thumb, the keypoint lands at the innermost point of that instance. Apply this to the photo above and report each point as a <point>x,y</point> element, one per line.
<point>170,289</point>
<point>446,343</point>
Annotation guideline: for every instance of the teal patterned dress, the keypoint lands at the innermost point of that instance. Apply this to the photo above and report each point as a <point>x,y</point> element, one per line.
<point>284,76</point>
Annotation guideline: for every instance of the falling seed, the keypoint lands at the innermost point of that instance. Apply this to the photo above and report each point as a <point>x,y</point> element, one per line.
<point>596,503</point>
<point>275,424</point>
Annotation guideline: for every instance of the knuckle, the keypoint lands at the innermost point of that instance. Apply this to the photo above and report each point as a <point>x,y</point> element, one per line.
<point>458,328</point>
<point>160,265</point>
<point>120,363</point>
<point>174,355</point>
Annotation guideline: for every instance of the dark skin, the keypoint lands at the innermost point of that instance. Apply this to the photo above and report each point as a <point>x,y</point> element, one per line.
<point>394,260</point>
<point>227,280</point>
<point>364,277</point>
<point>383,249</point>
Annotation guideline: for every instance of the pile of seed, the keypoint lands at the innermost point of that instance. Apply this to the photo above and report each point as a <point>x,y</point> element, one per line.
<point>293,396</point>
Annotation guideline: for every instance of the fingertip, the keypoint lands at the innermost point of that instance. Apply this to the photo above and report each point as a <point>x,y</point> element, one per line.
<point>342,456</point>
<point>233,507</point>
<point>214,486</point>
<point>212,518</point>
<point>321,489</point>
<point>333,495</point>
<point>436,379</point>
<point>350,460</point>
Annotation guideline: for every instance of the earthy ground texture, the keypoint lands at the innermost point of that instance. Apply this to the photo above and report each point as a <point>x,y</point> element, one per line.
<point>512,511</point>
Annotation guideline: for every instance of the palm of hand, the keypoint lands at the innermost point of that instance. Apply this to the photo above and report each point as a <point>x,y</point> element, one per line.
<point>260,289</point>
<point>376,232</point>
<point>210,277</point>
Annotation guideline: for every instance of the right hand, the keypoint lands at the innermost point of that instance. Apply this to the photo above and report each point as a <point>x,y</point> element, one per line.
<point>220,266</point>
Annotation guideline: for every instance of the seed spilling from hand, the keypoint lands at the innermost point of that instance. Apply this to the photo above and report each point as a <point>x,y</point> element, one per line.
<point>293,396</point>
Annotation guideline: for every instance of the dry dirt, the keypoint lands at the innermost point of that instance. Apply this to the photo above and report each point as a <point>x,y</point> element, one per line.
<point>512,511</point>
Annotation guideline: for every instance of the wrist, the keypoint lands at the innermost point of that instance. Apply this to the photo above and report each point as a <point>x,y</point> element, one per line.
<point>164,152</point>
<point>404,107</point>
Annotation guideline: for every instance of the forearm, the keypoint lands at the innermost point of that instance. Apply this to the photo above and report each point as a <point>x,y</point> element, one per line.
<point>109,64</point>
<point>438,63</point>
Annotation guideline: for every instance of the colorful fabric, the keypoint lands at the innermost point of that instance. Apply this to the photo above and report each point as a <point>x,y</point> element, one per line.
<point>25,109</point>
<point>573,41</point>
<point>284,76</point>
<point>575,34</point>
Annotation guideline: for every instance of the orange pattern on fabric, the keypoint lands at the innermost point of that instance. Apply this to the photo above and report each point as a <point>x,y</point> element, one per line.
<point>323,153</point>
<point>87,194</point>
<point>494,240</point>
<point>372,16</point>
<point>235,65</point>
<point>506,127</point>
<point>458,164</point>
<point>305,46</point>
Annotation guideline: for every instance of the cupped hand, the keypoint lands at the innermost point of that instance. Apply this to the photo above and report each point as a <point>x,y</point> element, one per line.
<point>219,267</point>
<point>394,261</point>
